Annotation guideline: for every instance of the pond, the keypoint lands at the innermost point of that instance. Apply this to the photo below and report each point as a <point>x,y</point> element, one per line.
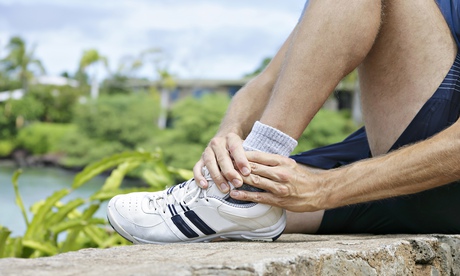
<point>36,184</point>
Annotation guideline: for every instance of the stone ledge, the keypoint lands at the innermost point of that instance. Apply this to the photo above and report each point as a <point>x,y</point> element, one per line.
<point>291,254</point>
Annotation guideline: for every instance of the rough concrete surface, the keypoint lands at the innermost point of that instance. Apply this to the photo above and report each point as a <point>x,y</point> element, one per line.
<point>290,255</point>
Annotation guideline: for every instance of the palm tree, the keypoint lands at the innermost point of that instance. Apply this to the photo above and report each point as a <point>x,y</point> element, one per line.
<point>21,62</point>
<point>92,58</point>
<point>166,82</point>
<point>156,58</point>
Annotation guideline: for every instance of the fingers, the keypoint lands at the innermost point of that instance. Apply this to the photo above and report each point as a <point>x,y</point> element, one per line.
<point>235,148</point>
<point>221,157</point>
<point>198,175</point>
<point>224,158</point>
<point>270,184</point>
<point>264,158</point>
<point>210,161</point>
<point>257,197</point>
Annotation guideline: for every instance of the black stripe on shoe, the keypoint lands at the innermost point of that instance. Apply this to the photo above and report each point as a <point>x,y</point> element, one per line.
<point>182,207</point>
<point>171,211</point>
<point>199,223</point>
<point>183,227</point>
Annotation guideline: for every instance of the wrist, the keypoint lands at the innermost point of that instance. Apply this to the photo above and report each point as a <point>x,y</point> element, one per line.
<point>224,131</point>
<point>328,187</point>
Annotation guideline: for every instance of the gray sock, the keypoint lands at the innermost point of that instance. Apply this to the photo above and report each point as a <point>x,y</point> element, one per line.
<point>268,139</point>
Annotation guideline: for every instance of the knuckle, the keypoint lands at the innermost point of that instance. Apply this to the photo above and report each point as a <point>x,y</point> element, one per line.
<point>284,177</point>
<point>233,147</point>
<point>258,197</point>
<point>283,190</point>
<point>214,142</point>
<point>256,179</point>
<point>206,153</point>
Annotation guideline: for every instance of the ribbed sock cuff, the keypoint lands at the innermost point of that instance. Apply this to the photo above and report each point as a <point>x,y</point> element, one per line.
<point>268,139</point>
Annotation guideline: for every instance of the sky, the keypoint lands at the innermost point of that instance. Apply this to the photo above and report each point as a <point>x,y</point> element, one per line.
<point>214,39</point>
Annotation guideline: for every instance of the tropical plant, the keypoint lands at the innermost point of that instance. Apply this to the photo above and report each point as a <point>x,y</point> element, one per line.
<point>41,138</point>
<point>15,113</point>
<point>158,60</point>
<point>91,59</point>
<point>58,102</point>
<point>118,122</point>
<point>60,226</point>
<point>20,61</point>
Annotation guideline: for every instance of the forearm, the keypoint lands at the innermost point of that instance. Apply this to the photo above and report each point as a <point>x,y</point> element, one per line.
<point>249,103</point>
<point>246,107</point>
<point>422,166</point>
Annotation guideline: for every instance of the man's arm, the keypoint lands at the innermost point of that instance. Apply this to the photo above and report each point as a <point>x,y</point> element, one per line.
<point>422,166</point>
<point>225,150</point>
<point>415,168</point>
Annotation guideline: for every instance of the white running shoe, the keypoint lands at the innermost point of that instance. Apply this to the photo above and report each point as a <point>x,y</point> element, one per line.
<point>187,213</point>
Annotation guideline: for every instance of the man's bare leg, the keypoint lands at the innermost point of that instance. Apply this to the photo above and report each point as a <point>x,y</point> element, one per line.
<point>332,39</point>
<point>409,59</point>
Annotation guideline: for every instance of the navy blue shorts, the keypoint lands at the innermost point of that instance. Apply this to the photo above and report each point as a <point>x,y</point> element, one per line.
<point>432,211</point>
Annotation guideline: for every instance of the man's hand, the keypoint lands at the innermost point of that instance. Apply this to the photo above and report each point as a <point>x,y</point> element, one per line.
<point>226,161</point>
<point>287,184</point>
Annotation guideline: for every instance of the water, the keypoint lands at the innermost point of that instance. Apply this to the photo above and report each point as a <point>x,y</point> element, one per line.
<point>36,184</point>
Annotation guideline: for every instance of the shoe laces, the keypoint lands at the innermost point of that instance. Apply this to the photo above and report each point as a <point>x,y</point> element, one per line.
<point>183,194</point>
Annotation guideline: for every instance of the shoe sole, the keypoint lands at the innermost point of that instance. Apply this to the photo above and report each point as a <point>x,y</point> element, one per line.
<point>268,234</point>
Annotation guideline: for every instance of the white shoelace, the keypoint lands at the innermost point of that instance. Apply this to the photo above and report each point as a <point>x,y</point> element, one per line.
<point>183,194</point>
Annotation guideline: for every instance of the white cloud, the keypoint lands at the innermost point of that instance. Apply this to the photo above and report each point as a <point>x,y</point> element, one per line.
<point>218,39</point>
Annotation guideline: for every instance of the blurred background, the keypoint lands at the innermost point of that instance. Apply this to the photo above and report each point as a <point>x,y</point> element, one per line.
<point>82,80</point>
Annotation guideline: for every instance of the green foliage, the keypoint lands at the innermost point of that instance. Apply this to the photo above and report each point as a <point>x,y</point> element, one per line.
<point>109,125</point>
<point>129,120</point>
<point>60,226</point>
<point>7,83</point>
<point>58,102</point>
<point>15,113</point>
<point>198,119</point>
<point>326,128</point>
<point>194,123</point>
<point>41,138</point>
<point>6,147</point>
<point>81,150</point>
<point>116,84</point>
<point>41,103</point>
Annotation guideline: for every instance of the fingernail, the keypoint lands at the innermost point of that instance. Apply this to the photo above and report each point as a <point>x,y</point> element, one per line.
<point>223,187</point>
<point>234,193</point>
<point>202,183</point>
<point>245,171</point>
<point>237,183</point>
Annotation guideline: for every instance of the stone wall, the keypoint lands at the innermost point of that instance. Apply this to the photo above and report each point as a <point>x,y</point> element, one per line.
<point>290,255</point>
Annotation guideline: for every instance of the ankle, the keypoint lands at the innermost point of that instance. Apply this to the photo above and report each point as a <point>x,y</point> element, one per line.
<point>268,139</point>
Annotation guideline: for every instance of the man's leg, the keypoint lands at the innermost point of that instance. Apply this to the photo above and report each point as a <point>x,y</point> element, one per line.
<point>332,38</point>
<point>409,59</point>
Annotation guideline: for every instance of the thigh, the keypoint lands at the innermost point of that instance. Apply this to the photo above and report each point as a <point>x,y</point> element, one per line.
<point>409,59</point>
